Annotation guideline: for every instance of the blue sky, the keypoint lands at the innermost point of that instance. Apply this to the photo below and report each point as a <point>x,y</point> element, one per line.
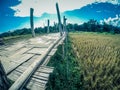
<point>48,6</point>
<point>14,14</point>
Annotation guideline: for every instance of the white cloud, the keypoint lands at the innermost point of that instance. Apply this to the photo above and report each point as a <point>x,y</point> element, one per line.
<point>41,6</point>
<point>112,21</point>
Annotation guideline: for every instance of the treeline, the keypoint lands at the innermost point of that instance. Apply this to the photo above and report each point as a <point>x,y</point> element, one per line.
<point>24,31</point>
<point>94,26</point>
<point>90,26</point>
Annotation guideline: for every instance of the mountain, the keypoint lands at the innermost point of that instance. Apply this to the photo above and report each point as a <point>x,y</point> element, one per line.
<point>97,11</point>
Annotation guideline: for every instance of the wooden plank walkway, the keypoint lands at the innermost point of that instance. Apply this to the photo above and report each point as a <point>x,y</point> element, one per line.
<point>40,78</point>
<point>25,56</point>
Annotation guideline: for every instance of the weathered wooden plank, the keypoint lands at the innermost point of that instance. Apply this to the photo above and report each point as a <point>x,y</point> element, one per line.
<point>21,51</point>
<point>15,46</point>
<point>52,52</point>
<point>46,70</point>
<point>18,62</point>
<point>42,74</point>
<point>38,81</point>
<point>25,65</point>
<point>35,86</point>
<point>14,75</point>
<point>37,46</point>
<point>46,61</point>
<point>36,51</point>
<point>30,61</point>
<point>40,77</point>
<point>21,68</point>
<point>46,67</point>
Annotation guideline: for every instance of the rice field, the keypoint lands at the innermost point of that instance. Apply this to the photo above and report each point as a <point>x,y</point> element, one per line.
<point>99,59</point>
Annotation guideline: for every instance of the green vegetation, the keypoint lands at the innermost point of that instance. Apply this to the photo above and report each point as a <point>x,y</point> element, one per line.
<point>26,31</point>
<point>90,26</point>
<point>93,62</point>
<point>94,26</point>
<point>66,75</point>
<point>13,39</point>
<point>99,60</point>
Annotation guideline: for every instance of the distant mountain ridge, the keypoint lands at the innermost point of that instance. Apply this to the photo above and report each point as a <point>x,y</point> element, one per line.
<point>97,11</point>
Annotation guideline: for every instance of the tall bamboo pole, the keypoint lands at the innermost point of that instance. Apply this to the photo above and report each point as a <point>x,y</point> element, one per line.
<point>64,23</point>
<point>59,19</point>
<point>48,26</point>
<point>32,22</point>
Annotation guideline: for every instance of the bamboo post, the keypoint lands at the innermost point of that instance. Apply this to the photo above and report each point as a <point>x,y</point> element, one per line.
<point>64,24</point>
<point>1,41</point>
<point>48,26</point>
<point>63,50</point>
<point>59,19</point>
<point>55,27</point>
<point>32,22</point>
<point>4,83</point>
<point>64,30</point>
<point>66,46</point>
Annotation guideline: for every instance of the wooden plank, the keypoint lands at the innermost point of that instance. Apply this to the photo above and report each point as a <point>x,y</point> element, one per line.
<point>21,68</point>
<point>21,51</point>
<point>6,53</point>
<point>46,70</point>
<point>42,74</point>
<point>15,46</point>
<point>38,81</point>
<point>52,52</point>
<point>40,77</point>
<point>37,51</point>
<point>46,61</point>
<point>14,75</point>
<point>46,67</point>
<point>24,66</point>
<point>37,46</point>
<point>29,62</point>
<point>35,86</point>
<point>18,62</point>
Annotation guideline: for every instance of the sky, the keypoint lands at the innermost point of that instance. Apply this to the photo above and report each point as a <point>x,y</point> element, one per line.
<point>14,14</point>
<point>41,6</point>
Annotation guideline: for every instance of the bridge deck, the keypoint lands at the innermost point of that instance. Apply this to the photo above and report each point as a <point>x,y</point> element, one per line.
<point>18,57</point>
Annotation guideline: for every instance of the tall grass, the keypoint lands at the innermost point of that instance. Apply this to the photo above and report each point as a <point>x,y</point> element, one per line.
<point>99,59</point>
